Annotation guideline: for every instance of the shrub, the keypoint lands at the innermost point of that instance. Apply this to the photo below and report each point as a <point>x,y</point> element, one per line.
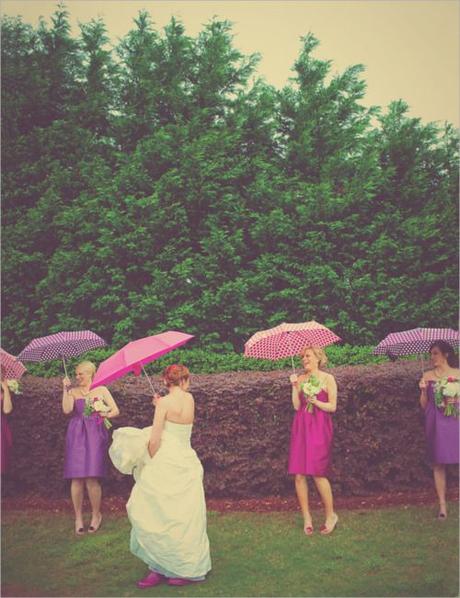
<point>242,431</point>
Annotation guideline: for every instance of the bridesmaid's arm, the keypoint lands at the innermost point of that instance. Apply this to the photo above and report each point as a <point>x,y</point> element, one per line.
<point>67,399</point>
<point>423,396</point>
<point>7,405</point>
<point>157,428</point>
<point>331,404</point>
<point>110,402</point>
<point>295,391</point>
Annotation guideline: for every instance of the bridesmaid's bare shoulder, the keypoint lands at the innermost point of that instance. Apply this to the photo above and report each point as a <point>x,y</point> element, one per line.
<point>327,378</point>
<point>429,375</point>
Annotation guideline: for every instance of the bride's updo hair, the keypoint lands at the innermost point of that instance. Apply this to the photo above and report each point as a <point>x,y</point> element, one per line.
<point>173,375</point>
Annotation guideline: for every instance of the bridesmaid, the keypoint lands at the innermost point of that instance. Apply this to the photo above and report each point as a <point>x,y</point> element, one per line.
<point>311,435</point>
<point>86,444</point>
<point>441,430</point>
<point>7,439</point>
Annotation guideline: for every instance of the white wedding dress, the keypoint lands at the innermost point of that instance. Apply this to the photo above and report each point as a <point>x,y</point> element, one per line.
<point>167,508</point>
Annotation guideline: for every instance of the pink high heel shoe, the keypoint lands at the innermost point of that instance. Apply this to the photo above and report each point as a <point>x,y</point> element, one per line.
<point>179,581</point>
<point>93,528</point>
<point>308,529</point>
<point>324,530</point>
<point>151,579</point>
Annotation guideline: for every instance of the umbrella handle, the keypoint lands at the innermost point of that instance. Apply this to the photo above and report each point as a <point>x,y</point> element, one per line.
<point>148,379</point>
<point>423,364</point>
<point>292,357</point>
<point>65,368</point>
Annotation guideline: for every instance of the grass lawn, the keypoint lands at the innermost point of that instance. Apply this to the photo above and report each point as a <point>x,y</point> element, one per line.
<point>389,552</point>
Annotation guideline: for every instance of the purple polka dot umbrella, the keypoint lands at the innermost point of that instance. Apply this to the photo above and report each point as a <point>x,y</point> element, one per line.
<point>417,340</point>
<point>11,367</point>
<point>61,345</point>
<point>287,340</point>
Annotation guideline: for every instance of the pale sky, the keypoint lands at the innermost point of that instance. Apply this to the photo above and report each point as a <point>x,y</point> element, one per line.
<point>410,48</point>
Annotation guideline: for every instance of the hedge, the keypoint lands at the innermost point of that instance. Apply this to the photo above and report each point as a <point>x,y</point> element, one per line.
<point>242,432</point>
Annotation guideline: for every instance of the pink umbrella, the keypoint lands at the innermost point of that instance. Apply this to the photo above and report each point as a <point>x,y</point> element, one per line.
<point>417,340</point>
<point>12,368</point>
<point>60,345</point>
<point>287,340</point>
<point>133,356</point>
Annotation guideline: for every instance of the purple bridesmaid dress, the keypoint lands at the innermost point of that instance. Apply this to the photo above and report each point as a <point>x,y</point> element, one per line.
<point>311,439</point>
<point>441,432</point>
<point>6,440</point>
<point>86,445</point>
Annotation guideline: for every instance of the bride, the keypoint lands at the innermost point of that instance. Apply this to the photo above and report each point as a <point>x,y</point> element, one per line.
<point>167,507</point>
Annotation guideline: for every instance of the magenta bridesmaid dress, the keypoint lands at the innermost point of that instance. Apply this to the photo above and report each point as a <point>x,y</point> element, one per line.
<point>311,439</point>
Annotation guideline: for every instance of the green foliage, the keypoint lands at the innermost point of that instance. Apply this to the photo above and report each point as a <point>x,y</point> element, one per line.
<point>200,361</point>
<point>158,185</point>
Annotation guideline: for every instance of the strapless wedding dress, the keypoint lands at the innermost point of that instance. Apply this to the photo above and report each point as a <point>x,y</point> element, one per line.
<point>167,508</point>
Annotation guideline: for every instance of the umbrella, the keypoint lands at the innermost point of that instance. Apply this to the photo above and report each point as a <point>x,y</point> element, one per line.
<point>417,340</point>
<point>287,340</point>
<point>60,345</point>
<point>133,356</point>
<point>12,368</point>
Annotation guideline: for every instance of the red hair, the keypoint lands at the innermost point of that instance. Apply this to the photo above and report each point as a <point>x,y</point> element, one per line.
<point>173,375</point>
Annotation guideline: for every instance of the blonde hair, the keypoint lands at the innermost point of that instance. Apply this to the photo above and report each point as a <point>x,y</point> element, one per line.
<point>89,365</point>
<point>318,352</point>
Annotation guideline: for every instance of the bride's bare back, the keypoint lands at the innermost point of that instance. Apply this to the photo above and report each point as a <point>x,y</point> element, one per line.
<point>179,406</point>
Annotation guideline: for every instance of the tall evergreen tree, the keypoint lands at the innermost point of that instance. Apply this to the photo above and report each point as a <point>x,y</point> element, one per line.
<point>161,185</point>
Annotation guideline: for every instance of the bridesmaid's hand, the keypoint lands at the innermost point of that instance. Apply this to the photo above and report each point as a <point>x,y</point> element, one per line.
<point>155,399</point>
<point>294,379</point>
<point>66,383</point>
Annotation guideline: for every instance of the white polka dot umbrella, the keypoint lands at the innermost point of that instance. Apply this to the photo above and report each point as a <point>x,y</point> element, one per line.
<point>417,340</point>
<point>288,339</point>
<point>11,367</point>
<point>61,345</point>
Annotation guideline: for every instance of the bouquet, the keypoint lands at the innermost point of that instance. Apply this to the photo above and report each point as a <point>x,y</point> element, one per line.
<point>95,408</point>
<point>311,388</point>
<point>445,389</point>
<point>13,385</point>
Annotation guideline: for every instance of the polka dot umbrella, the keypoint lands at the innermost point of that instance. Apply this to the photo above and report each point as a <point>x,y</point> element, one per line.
<point>11,367</point>
<point>61,345</point>
<point>415,341</point>
<point>288,339</point>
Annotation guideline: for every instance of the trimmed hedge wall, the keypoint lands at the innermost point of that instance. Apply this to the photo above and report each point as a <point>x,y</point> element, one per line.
<point>242,432</point>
